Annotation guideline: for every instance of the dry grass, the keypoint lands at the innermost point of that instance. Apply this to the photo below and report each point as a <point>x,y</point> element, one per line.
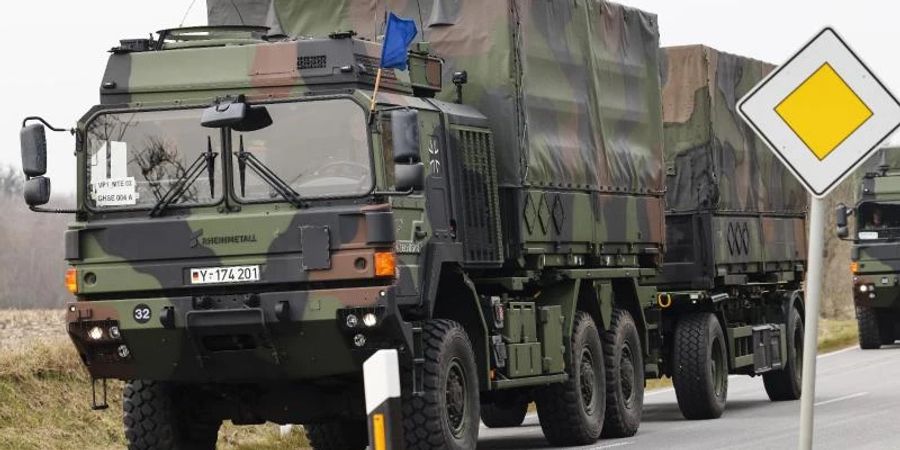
<point>45,395</point>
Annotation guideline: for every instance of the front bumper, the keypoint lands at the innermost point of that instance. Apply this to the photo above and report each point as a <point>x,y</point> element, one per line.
<point>295,335</point>
<point>882,291</point>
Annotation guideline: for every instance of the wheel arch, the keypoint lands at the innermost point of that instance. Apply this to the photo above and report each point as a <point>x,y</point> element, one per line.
<point>458,300</point>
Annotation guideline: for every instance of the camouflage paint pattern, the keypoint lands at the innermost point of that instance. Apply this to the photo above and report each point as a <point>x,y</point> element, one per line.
<point>570,88</point>
<point>707,140</point>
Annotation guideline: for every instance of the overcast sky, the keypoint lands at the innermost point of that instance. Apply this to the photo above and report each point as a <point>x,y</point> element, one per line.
<point>54,51</point>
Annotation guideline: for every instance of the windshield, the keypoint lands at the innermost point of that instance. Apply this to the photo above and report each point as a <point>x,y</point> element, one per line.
<point>135,157</point>
<point>319,148</point>
<point>879,220</point>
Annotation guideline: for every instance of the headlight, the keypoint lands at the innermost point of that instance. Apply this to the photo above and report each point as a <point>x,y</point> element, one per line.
<point>352,321</point>
<point>95,333</point>
<point>863,288</point>
<point>370,320</point>
<point>114,332</point>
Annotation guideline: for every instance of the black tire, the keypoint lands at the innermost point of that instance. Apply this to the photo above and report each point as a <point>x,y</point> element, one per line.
<point>624,360</point>
<point>700,372</point>
<point>571,412</point>
<point>446,415</point>
<point>869,330</point>
<point>504,414</point>
<point>785,384</point>
<point>339,435</point>
<point>154,420</point>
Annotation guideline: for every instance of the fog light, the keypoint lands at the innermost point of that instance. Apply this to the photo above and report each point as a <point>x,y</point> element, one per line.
<point>370,320</point>
<point>352,321</point>
<point>114,332</point>
<point>96,333</point>
<point>123,351</point>
<point>359,340</point>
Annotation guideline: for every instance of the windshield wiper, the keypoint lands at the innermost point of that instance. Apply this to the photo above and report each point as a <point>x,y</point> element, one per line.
<point>281,187</point>
<point>176,190</point>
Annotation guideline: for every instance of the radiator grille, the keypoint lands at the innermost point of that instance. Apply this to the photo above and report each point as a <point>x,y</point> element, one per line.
<point>480,206</point>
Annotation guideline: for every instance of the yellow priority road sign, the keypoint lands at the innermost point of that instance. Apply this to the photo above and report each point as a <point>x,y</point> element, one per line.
<point>822,112</point>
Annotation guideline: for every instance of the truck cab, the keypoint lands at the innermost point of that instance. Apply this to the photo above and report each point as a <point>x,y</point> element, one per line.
<point>875,255</point>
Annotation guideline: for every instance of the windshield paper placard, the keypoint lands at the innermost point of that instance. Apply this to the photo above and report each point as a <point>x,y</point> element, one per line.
<point>115,192</point>
<point>110,185</point>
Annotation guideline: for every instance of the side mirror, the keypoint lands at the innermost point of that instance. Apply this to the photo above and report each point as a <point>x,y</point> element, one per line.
<point>405,136</point>
<point>37,191</point>
<point>409,177</point>
<point>840,219</point>
<point>224,114</point>
<point>840,215</point>
<point>33,141</point>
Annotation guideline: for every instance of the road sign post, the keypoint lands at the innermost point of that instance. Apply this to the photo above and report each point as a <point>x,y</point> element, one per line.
<point>822,113</point>
<point>814,280</point>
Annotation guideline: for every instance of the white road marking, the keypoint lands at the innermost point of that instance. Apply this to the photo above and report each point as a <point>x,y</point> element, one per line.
<point>837,352</point>
<point>824,355</point>
<point>840,399</point>
<point>613,445</point>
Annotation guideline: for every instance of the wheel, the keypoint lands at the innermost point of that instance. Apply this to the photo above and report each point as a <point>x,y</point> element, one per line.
<point>869,329</point>
<point>700,372</point>
<point>623,355</point>
<point>785,384</point>
<point>504,414</point>
<point>339,435</point>
<point>154,419</point>
<point>571,412</point>
<point>446,415</point>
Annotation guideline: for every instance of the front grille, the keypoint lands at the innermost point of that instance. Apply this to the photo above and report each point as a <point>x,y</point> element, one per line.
<point>480,208</point>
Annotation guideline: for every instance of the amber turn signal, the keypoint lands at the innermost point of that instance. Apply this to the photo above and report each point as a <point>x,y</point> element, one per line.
<point>854,267</point>
<point>385,264</point>
<point>72,280</point>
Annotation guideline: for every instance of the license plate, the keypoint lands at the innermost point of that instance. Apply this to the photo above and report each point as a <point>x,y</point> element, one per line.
<point>230,274</point>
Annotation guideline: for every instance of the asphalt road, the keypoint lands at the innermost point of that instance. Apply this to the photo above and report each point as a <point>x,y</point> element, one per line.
<point>857,406</point>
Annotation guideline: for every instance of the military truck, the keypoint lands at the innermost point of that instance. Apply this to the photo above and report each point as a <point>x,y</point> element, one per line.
<point>875,251</point>
<point>248,231</point>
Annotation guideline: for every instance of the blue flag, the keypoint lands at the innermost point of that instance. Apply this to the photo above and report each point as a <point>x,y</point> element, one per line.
<point>398,35</point>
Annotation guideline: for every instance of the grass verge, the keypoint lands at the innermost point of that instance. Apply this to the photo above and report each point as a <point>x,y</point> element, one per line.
<point>44,404</point>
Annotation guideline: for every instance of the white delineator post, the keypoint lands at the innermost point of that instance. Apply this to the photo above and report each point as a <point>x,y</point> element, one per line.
<point>814,277</point>
<point>381,375</point>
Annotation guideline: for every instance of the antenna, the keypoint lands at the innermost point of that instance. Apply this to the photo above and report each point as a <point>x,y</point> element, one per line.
<point>238,11</point>
<point>421,23</point>
<point>183,18</point>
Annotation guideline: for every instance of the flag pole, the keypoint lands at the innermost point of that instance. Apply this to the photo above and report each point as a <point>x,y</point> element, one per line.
<point>375,92</point>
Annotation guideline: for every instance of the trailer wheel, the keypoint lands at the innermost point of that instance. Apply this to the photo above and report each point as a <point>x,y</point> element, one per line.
<point>872,332</point>
<point>154,420</point>
<point>571,412</point>
<point>446,415</point>
<point>504,415</point>
<point>338,435</point>
<point>624,376</point>
<point>700,372</point>
<point>785,384</point>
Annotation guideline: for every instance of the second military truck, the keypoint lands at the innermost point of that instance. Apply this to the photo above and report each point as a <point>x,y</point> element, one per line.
<point>528,214</point>
<point>875,254</point>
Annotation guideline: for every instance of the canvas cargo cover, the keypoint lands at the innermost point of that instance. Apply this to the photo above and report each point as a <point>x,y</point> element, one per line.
<point>713,160</point>
<point>571,87</point>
